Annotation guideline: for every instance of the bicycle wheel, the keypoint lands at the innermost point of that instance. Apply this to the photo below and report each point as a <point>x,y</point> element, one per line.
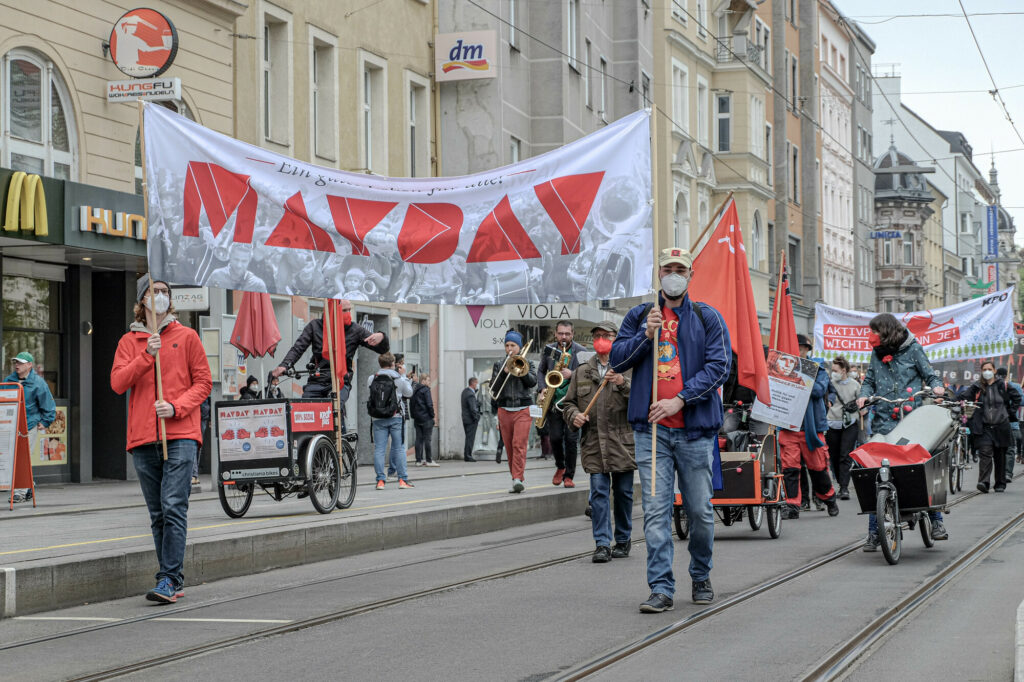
<point>774,521</point>
<point>888,516</point>
<point>960,477</point>
<point>323,480</point>
<point>235,498</point>
<point>926,530</point>
<point>682,522</point>
<point>755,514</point>
<point>347,490</point>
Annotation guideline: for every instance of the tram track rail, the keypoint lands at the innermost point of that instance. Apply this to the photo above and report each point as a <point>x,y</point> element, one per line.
<point>613,656</point>
<point>580,672</point>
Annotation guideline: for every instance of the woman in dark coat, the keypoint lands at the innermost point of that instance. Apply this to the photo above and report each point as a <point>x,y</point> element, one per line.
<point>421,409</point>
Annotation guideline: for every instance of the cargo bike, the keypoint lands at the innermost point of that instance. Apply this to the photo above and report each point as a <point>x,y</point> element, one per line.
<point>904,474</point>
<point>284,447</point>
<point>751,476</point>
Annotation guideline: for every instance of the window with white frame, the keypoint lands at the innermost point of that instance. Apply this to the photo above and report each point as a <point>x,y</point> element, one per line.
<point>37,121</point>
<point>604,90</point>
<point>645,90</point>
<point>418,125</point>
<point>769,153</point>
<point>679,11</point>
<point>723,122</point>
<point>887,252</point>
<point>794,79</point>
<point>276,87</point>
<point>702,18</point>
<point>373,110</point>
<point>323,69</point>
<point>515,149</point>
<point>680,97</point>
<point>572,24</point>
<point>513,23</point>
<point>703,120</point>
<point>756,126</point>
<point>588,96</point>
<point>757,245</point>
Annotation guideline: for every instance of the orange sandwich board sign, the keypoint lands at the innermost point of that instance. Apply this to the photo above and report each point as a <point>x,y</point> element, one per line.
<point>15,459</point>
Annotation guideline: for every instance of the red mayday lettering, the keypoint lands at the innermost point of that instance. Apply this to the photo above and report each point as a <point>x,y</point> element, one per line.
<point>568,201</point>
<point>221,193</point>
<point>430,233</point>
<point>501,237</point>
<point>297,231</point>
<point>354,218</point>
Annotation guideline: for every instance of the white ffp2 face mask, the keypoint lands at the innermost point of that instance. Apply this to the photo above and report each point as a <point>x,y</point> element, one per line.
<point>163,303</point>
<point>988,374</point>
<point>673,285</point>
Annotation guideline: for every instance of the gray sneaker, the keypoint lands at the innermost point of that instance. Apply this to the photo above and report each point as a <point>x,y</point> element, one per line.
<point>702,592</point>
<point>872,543</point>
<point>657,603</point>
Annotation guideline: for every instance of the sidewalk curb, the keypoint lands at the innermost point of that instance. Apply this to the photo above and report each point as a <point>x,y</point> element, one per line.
<point>48,585</point>
<point>1018,668</point>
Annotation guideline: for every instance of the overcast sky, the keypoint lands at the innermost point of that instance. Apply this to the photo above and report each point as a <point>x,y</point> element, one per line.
<point>937,53</point>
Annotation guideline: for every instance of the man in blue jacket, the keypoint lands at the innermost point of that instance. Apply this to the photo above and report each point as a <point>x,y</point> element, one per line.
<point>694,355</point>
<point>40,410</point>
<point>807,446</point>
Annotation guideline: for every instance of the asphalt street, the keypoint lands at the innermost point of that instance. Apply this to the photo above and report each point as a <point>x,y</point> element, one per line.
<point>541,623</point>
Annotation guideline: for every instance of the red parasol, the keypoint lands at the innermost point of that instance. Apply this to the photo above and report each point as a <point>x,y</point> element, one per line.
<point>256,332</point>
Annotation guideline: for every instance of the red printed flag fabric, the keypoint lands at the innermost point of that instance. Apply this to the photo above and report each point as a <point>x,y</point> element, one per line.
<point>721,278</point>
<point>573,224</point>
<point>783,332</point>
<point>334,340</point>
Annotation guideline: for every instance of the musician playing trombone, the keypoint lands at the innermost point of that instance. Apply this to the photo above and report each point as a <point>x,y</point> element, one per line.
<point>511,389</point>
<point>595,405</point>
<point>562,357</point>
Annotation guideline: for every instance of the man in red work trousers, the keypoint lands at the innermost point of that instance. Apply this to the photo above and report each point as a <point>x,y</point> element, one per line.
<point>808,446</point>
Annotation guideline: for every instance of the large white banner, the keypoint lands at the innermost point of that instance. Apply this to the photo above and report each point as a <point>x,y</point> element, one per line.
<point>980,328</point>
<point>573,224</point>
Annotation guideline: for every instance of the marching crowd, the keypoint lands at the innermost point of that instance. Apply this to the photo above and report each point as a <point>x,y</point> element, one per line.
<point>604,408</point>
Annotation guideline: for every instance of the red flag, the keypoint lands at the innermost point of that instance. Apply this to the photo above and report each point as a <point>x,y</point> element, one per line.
<point>783,333</point>
<point>334,335</point>
<point>721,279</point>
<point>255,332</point>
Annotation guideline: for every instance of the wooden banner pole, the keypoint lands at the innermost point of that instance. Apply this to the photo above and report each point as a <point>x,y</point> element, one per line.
<point>152,301</point>
<point>336,400</point>
<point>655,178</point>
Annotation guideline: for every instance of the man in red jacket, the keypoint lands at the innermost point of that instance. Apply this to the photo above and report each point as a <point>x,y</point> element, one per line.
<point>186,383</point>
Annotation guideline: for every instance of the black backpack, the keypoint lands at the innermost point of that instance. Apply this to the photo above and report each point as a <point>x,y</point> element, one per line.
<point>383,400</point>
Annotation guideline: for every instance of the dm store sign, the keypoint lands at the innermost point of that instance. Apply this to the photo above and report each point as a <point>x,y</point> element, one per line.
<point>463,56</point>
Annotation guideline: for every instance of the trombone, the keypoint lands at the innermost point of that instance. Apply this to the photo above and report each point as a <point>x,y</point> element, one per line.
<point>519,367</point>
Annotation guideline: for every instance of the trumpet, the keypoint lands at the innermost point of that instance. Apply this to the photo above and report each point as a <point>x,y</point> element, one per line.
<point>514,366</point>
<point>552,380</point>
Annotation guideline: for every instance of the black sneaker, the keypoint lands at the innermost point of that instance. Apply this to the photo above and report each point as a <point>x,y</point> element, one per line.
<point>588,512</point>
<point>702,592</point>
<point>657,603</point>
<point>791,512</point>
<point>818,504</point>
<point>844,494</point>
<point>620,550</point>
<point>939,531</point>
<point>602,555</point>
<point>983,487</point>
<point>999,488</point>
<point>833,506</point>
<point>805,505</point>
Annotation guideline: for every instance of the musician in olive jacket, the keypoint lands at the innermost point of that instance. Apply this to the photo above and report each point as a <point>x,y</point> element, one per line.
<point>606,444</point>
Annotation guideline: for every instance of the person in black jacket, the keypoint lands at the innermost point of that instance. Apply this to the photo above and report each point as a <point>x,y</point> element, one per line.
<point>319,383</point>
<point>421,408</point>
<point>514,402</point>
<point>564,441</point>
<point>470,418</point>
<point>990,424</point>
<point>251,390</point>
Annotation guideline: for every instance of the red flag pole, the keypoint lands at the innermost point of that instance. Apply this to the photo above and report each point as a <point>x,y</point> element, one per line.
<point>773,334</point>
<point>714,221</point>
<point>336,400</point>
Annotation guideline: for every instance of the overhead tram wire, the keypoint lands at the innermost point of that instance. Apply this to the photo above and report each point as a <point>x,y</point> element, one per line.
<point>996,95</point>
<point>668,117</point>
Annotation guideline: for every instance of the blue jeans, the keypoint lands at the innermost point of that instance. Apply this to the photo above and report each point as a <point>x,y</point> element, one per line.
<point>690,462</point>
<point>873,521</point>
<point>601,489</point>
<point>166,486</point>
<point>382,429</point>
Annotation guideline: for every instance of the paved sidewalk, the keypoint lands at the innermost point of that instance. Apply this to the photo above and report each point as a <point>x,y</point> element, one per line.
<point>91,542</point>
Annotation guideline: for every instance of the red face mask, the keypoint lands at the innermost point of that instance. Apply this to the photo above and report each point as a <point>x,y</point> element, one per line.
<point>874,340</point>
<point>346,318</point>
<point>603,346</point>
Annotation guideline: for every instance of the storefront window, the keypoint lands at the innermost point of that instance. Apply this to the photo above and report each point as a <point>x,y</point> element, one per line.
<point>39,137</point>
<point>32,323</point>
